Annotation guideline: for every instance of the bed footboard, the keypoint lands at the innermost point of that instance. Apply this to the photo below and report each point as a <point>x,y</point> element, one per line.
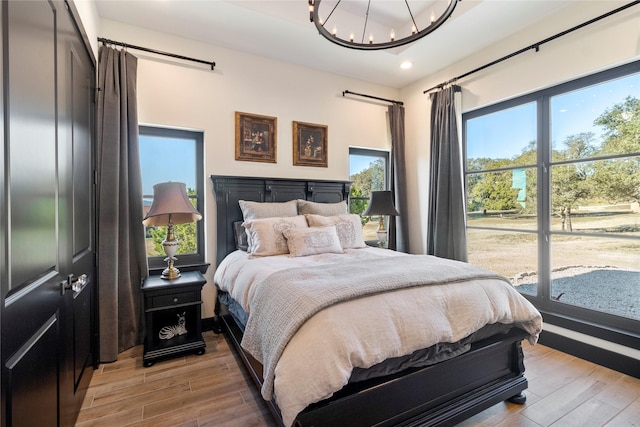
<point>438,395</point>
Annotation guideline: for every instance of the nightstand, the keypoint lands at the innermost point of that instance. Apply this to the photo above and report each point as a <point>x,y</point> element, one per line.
<point>172,316</point>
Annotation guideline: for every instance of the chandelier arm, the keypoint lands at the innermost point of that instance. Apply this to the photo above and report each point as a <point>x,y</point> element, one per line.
<point>331,13</point>
<point>411,15</point>
<point>366,20</point>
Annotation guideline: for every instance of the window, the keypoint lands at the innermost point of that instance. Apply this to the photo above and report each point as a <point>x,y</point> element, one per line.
<point>552,186</point>
<point>368,171</point>
<point>173,155</point>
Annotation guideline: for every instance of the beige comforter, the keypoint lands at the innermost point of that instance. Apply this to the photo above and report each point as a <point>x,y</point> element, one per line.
<point>318,359</point>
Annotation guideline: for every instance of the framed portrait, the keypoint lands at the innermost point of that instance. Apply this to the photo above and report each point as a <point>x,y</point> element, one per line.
<point>309,144</point>
<point>256,137</point>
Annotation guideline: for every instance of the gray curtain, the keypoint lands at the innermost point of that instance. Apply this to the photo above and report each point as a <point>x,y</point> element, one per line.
<point>398,230</point>
<point>122,262</point>
<point>446,227</point>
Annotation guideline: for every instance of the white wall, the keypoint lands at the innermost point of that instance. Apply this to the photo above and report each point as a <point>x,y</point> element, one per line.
<point>179,94</point>
<point>599,46</point>
<point>90,21</point>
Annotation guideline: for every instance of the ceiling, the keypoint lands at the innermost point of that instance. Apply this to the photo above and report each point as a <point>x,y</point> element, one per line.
<point>281,30</point>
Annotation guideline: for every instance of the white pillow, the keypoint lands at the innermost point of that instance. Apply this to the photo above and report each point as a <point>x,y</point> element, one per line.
<point>325,209</point>
<point>258,210</point>
<point>265,235</point>
<point>313,241</point>
<point>348,226</point>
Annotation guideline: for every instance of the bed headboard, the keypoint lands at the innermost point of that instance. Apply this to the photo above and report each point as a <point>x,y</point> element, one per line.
<point>229,189</point>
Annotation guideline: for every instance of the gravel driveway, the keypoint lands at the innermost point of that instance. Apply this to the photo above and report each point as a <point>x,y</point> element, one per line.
<point>606,289</point>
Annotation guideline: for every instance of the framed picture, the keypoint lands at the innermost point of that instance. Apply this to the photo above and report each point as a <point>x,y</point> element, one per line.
<point>256,137</point>
<point>309,144</point>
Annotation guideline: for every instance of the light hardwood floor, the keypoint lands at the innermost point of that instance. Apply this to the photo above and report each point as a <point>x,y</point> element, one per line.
<point>214,390</point>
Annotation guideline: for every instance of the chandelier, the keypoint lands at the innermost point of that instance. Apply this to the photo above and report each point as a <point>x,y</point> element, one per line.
<point>381,24</point>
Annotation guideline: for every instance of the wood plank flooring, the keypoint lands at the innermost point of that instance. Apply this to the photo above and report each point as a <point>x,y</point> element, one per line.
<point>214,390</point>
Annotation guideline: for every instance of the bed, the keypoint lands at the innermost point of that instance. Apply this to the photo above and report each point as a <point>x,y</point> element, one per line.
<point>391,382</point>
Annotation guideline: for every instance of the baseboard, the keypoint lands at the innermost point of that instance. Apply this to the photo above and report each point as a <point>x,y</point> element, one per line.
<point>616,361</point>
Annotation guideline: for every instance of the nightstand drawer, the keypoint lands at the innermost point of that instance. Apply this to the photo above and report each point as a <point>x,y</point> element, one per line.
<point>175,299</point>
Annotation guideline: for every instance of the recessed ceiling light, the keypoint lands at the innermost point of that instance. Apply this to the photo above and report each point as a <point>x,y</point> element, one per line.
<point>406,65</point>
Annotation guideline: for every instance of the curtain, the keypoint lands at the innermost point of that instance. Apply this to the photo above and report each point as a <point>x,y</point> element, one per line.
<point>122,262</point>
<point>398,230</point>
<point>446,227</point>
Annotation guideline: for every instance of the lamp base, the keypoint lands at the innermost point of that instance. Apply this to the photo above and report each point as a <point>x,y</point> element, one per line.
<point>170,273</point>
<point>382,238</point>
<point>170,246</point>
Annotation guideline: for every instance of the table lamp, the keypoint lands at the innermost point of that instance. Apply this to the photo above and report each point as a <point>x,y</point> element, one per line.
<point>170,206</point>
<point>381,203</point>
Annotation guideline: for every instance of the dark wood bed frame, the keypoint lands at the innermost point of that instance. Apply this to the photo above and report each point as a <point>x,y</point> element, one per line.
<point>443,394</point>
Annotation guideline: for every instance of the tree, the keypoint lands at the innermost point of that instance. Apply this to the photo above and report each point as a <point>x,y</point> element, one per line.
<point>493,191</point>
<point>358,204</point>
<point>619,179</point>
<point>570,183</point>
<point>370,179</point>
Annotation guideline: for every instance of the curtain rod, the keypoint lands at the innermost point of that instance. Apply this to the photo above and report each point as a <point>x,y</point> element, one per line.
<point>173,55</point>
<point>374,97</point>
<point>535,46</point>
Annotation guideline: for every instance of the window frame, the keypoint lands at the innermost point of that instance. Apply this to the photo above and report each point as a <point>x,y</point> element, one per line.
<point>194,261</point>
<point>595,323</point>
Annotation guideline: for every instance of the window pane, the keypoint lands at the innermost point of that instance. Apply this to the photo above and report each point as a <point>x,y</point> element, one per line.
<point>158,153</point>
<point>502,139</point>
<point>598,120</point>
<point>172,155</point>
<point>368,172</point>
<point>491,248</point>
<point>598,196</point>
<point>504,199</point>
<point>598,273</point>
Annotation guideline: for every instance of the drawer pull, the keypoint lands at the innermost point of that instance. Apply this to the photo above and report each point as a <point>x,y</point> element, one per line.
<point>175,300</point>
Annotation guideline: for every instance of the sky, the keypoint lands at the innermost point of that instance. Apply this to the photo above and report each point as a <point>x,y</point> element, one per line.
<point>359,163</point>
<point>161,160</point>
<point>505,133</point>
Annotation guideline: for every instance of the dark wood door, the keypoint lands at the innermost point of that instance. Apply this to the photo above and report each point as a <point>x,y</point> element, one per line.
<point>47,215</point>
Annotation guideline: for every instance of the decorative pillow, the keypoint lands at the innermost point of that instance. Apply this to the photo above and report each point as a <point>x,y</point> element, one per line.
<point>258,210</point>
<point>325,209</point>
<point>313,241</point>
<point>348,226</point>
<point>265,235</point>
<point>240,236</point>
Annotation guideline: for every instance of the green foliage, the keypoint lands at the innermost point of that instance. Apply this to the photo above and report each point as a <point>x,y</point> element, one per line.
<point>357,205</point>
<point>493,191</point>
<point>363,183</point>
<point>619,180</point>
<point>370,179</point>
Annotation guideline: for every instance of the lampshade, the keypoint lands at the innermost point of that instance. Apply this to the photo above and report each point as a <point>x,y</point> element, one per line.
<point>170,200</point>
<point>381,203</point>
